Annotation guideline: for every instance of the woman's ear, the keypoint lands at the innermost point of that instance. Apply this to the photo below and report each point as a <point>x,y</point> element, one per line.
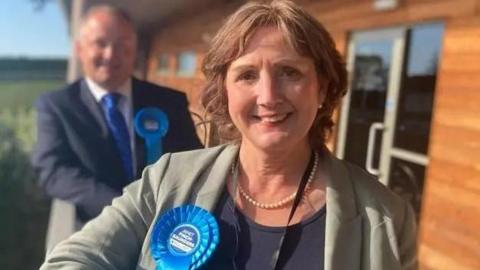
<point>322,91</point>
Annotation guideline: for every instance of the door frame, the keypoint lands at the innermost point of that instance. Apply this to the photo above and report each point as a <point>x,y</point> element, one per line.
<point>398,37</point>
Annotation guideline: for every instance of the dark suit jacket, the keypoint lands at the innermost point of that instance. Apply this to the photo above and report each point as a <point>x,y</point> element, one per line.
<point>76,157</point>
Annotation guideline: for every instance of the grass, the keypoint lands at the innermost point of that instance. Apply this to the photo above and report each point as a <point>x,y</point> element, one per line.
<point>22,94</point>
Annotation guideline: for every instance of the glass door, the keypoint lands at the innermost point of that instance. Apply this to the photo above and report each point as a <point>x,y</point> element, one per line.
<point>385,119</point>
<point>374,65</point>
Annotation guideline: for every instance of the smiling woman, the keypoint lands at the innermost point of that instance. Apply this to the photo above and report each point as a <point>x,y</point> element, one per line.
<point>304,37</point>
<point>279,197</point>
<point>273,94</point>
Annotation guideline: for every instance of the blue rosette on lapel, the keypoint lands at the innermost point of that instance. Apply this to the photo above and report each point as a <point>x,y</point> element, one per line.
<point>152,125</point>
<point>184,238</point>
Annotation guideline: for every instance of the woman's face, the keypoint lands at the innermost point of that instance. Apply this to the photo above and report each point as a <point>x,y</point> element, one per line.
<point>273,92</point>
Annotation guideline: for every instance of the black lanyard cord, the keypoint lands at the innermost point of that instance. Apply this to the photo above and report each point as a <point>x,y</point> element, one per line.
<point>296,202</point>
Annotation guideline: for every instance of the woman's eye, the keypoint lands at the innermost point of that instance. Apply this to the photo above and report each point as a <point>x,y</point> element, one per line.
<point>247,76</point>
<point>290,73</point>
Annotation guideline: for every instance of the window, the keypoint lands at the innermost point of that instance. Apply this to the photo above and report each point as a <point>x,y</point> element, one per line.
<point>415,104</point>
<point>186,64</point>
<point>163,67</point>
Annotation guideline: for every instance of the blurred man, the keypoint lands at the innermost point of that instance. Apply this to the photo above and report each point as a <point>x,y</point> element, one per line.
<point>87,150</point>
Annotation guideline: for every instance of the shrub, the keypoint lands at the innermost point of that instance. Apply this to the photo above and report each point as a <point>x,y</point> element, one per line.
<point>23,209</point>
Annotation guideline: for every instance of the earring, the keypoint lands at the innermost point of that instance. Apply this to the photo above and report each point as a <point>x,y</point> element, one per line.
<point>320,106</point>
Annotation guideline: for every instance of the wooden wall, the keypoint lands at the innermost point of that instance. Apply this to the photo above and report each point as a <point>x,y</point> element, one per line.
<point>187,34</point>
<point>449,232</point>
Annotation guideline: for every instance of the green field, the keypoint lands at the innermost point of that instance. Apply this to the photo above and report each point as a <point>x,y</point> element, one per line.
<point>22,94</point>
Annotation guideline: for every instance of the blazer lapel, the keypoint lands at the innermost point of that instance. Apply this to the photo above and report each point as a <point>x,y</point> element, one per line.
<point>343,223</point>
<point>343,235</point>
<point>214,180</point>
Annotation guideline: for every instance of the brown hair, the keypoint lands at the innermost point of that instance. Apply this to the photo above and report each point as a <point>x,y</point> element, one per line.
<point>302,32</point>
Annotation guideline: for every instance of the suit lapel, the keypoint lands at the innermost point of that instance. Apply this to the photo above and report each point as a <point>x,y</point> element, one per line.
<point>89,101</point>
<point>96,113</point>
<point>138,104</point>
<point>343,235</point>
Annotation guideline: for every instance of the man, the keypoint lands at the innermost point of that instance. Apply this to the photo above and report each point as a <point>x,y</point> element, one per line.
<point>87,150</point>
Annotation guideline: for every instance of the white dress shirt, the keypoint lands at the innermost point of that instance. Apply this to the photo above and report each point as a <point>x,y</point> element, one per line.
<point>125,106</point>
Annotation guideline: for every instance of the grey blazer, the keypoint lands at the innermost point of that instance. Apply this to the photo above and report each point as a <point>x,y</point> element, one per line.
<point>367,226</point>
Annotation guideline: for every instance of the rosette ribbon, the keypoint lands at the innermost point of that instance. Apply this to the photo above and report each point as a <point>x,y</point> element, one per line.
<point>152,125</point>
<point>184,238</point>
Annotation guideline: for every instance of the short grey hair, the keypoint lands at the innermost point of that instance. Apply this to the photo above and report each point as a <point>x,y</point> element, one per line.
<point>114,11</point>
<point>118,12</point>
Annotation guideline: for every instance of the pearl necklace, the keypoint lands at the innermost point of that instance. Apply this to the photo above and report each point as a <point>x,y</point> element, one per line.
<point>283,201</point>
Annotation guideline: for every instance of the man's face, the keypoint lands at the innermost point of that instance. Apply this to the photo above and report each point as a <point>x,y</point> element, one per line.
<point>106,48</point>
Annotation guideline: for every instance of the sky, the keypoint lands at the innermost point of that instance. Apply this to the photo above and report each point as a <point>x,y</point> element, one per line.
<point>28,32</point>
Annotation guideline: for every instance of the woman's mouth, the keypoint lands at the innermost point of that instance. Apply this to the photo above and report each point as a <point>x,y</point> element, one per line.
<point>272,118</point>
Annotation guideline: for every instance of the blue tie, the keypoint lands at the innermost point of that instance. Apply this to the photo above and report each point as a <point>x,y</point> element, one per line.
<point>117,125</point>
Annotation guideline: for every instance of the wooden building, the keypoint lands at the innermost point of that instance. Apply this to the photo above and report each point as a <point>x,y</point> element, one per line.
<point>412,115</point>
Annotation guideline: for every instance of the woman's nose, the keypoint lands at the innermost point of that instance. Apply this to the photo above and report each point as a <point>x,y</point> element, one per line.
<point>268,92</point>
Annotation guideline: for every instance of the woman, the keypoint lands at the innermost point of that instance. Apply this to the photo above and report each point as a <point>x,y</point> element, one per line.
<point>282,201</point>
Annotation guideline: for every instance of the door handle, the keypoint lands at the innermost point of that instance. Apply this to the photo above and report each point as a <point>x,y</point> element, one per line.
<point>372,135</point>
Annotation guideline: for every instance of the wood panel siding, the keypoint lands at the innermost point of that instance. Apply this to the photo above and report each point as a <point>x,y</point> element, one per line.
<point>449,237</point>
<point>187,34</point>
<point>191,33</point>
<point>359,14</point>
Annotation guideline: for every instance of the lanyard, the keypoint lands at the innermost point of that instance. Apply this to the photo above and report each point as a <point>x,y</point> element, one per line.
<point>296,202</point>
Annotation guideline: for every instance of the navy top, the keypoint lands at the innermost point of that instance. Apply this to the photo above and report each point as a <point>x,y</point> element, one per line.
<point>246,245</point>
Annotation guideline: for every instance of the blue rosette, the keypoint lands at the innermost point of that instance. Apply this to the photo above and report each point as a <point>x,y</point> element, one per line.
<point>184,238</point>
<point>152,124</point>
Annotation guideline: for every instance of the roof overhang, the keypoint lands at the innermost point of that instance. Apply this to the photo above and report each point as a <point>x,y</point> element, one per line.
<point>148,14</point>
